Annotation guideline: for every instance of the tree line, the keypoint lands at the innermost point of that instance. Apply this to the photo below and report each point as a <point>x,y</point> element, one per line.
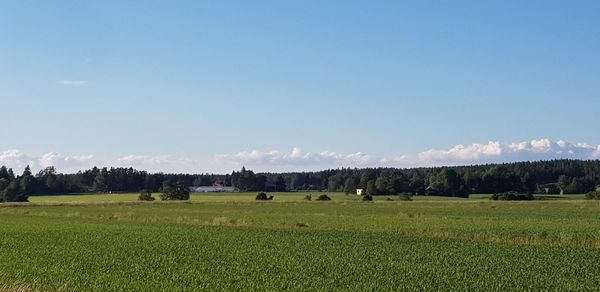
<point>548,177</point>
<point>543,177</point>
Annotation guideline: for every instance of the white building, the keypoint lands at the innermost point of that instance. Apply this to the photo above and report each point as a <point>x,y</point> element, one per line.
<point>211,189</point>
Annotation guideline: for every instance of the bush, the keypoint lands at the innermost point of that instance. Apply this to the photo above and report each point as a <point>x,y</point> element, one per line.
<point>593,195</point>
<point>308,197</point>
<point>263,197</point>
<point>367,198</point>
<point>323,197</point>
<point>512,196</point>
<point>405,197</point>
<point>145,195</point>
<point>178,191</point>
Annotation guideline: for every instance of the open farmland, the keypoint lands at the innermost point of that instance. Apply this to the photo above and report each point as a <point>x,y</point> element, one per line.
<point>249,197</point>
<point>230,242</point>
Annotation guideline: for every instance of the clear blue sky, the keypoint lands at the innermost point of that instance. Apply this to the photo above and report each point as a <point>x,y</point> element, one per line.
<point>174,84</point>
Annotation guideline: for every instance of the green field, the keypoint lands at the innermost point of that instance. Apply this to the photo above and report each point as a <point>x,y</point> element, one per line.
<point>231,242</point>
<point>225,197</point>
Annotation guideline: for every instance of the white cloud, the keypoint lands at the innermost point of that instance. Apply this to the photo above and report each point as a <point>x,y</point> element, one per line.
<point>73,82</point>
<point>496,151</point>
<point>65,162</point>
<point>462,153</point>
<point>296,152</point>
<point>492,152</point>
<point>298,159</point>
<point>596,154</point>
<point>161,163</point>
<point>16,159</point>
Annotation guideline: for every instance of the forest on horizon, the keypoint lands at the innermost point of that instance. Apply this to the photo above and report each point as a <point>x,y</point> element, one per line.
<point>542,177</point>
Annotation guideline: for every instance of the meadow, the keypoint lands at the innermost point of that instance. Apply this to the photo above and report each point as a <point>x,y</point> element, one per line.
<point>231,242</point>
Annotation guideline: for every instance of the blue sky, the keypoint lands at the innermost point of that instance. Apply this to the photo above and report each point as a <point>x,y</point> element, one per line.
<point>197,86</point>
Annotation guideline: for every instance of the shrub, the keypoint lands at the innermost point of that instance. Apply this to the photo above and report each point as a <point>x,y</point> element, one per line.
<point>13,192</point>
<point>389,199</point>
<point>323,197</point>
<point>405,197</point>
<point>593,195</point>
<point>263,197</point>
<point>145,195</point>
<point>367,198</point>
<point>179,191</point>
<point>512,196</point>
<point>308,197</point>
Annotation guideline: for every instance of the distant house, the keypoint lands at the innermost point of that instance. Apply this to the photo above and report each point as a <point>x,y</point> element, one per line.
<point>551,188</point>
<point>360,192</point>
<point>218,187</point>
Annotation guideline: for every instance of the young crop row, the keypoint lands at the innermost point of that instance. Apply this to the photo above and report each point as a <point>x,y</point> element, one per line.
<point>88,252</point>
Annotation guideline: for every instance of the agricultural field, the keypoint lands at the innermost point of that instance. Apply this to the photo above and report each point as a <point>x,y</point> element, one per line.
<point>249,197</point>
<point>231,242</point>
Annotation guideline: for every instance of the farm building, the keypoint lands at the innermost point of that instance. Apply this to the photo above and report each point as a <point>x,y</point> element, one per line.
<point>217,187</point>
<point>360,192</point>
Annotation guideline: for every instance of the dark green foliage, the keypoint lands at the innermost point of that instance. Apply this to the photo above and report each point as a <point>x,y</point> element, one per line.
<point>563,183</point>
<point>350,185</point>
<point>263,197</point>
<point>367,198</point>
<point>547,177</point>
<point>593,195</point>
<point>548,189</point>
<point>13,193</point>
<point>336,182</point>
<point>371,189</point>
<point>145,195</point>
<point>365,177</point>
<point>280,185</point>
<point>247,180</point>
<point>405,197</point>
<point>4,173</point>
<point>16,189</point>
<point>178,191</point>
<point>323,197</point>
<point>417,183</point>
<point>512,196</point>
<point>3,184</point>
<point>446,182</point>
<point>202,181</point>
<point>388,183</point>
<point>99,185</point>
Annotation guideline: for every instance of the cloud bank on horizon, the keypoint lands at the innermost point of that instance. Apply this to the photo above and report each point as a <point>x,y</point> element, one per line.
<point>298,160</point>
<point>492,152</point>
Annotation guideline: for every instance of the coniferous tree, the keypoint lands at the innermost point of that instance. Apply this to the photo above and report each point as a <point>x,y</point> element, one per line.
<point>100,185</point>
<point>371,189</point>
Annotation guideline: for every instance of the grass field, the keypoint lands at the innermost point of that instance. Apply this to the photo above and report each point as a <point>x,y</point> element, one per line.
<point>223,197</point>
<point>231,242</point>
<point>249,197</point>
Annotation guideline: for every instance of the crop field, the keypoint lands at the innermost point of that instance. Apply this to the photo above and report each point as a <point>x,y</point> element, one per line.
<point>225,197</point>
<point>231,242</point>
